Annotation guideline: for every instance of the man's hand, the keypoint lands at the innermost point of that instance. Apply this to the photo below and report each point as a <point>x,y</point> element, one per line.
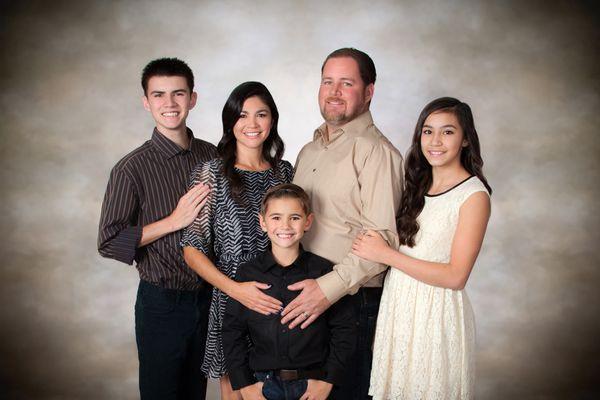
<point>189,206</point>
<point>253,392</point>
<point>307,307</point>
<point>316,390</point>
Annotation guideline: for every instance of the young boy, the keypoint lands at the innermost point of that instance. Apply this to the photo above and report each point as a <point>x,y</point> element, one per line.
<point>144,209</point>
<point>286,363</point>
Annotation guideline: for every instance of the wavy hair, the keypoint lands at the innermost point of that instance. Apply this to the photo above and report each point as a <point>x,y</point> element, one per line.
<point>273,147</point>
<point>418,176</point>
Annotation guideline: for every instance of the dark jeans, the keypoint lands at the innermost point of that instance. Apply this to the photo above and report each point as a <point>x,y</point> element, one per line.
<point>276,389</point>
<point>356,385</point>
<point>170,330</point>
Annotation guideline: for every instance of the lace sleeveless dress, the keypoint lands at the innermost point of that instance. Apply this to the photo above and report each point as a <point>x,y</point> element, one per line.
<point>425,336</point>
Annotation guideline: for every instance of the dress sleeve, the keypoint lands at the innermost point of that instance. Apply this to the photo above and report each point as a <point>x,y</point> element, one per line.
<point>200,234</point>
<point>118,233</point>
<point>380,181</point>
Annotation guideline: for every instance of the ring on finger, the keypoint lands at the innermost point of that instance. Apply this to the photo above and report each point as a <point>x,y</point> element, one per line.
<point>306,315</point>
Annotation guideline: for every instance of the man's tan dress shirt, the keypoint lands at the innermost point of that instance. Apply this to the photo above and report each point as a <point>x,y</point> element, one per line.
<point>355,183</point>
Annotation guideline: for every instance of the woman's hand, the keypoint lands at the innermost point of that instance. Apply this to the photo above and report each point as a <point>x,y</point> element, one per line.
<point>371,246</point>
<point>317,390</point>
<point>252,297</point>
<point>253,392</point>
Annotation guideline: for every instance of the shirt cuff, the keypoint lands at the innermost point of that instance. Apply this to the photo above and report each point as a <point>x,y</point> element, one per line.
<point>334,376</point>
<point>125,244</point>
<point>332,286</point>
<point>241,377</point>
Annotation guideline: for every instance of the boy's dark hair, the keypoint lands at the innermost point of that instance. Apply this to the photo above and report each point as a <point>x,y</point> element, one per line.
<point>167,67</point>
<point>366,66</point>
<point>286,190</point>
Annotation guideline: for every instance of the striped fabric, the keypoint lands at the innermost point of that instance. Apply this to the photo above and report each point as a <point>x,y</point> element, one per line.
<point>232,233</point>
<point>144,187</point>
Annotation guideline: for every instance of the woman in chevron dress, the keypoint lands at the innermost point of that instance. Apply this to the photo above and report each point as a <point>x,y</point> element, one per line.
<point>425,335</point>
<point>227,230</point>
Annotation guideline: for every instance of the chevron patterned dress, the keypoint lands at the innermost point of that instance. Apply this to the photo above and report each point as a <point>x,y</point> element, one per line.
<point>230,234</point>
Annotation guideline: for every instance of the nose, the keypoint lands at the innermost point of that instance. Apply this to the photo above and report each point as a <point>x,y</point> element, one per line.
<point>253,121</point>
<point>334,89</point>
<point>170,101</point>
<point>436,139</point>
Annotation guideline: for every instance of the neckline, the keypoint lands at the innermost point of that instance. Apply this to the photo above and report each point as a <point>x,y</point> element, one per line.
<point>250,171</point>
<point>453,187</point>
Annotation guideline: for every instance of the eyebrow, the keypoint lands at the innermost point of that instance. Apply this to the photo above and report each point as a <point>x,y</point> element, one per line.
<point>172,91</point>
<point>258,111</point>
<point>443,126</point>
<point>341,79</point>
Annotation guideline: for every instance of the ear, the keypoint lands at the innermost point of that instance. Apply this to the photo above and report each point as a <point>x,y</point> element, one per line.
<point>309,221</point>
<point>261,220</point>
<point>465,143</point>
<point>193,99</point>
<point>369,91</point>
<point>145,103</point>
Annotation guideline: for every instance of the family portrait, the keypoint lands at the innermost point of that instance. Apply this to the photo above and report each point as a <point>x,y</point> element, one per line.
<point>350,201</point>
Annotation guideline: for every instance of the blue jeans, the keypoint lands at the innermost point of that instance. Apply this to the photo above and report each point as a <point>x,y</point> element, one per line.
<point>356,385</point>
<point>170,330</point>
<point>276,389</point>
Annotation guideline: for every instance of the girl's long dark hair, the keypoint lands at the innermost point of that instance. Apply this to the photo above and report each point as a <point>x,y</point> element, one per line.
<point>273,147</point>
<point>417,176</point>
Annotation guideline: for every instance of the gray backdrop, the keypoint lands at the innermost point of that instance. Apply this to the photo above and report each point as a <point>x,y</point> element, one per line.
<point>70,107</point>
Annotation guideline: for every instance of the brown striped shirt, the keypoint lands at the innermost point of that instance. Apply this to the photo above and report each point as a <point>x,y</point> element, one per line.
<point>144,187</point>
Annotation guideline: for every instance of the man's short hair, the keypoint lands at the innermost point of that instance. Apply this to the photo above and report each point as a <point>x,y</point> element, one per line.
<point>288,191</point>
<point>167,67</point>
<point>366,66</point>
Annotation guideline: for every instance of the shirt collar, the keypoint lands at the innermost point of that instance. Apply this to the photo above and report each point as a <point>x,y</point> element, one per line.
<point>354,128</point>
<point>267,261</point>
<point>167,146</point>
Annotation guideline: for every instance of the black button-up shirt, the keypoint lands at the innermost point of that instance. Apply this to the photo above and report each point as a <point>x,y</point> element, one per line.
<point>328,343</point>
<point>144,187</point>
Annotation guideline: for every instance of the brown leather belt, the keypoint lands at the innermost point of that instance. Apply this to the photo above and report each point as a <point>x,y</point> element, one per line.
<point>293,374</point>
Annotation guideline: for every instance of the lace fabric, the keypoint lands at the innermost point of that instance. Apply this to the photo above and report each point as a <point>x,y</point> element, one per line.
<point>425,337</point>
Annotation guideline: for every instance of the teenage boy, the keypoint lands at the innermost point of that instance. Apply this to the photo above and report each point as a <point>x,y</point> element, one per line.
<point>286,363</point>
<point>144,209</point>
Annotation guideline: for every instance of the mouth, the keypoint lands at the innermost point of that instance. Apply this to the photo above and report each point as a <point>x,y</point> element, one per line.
<point>435,153</point>
<point>170,114</point>
<point>252,135</point>
<point>334,101</point>
<point>284,236</point>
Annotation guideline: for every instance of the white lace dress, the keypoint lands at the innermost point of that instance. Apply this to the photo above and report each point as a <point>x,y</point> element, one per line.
<point>425,337</point>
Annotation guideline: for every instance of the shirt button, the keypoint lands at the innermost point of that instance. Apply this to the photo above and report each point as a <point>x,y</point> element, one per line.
<point>314,170</point>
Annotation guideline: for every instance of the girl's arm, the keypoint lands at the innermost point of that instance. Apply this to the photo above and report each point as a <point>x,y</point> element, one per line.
<point>472,223</point>
<point>247,293</point>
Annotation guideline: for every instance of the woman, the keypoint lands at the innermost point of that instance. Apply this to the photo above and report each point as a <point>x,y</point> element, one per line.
<point>425,336</point>
<point>227,227</point>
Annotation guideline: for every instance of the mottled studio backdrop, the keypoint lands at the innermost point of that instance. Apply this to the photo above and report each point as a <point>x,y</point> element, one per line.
<point>70,107</point>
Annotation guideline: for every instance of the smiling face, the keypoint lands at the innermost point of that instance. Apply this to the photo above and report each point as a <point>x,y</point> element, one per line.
<point>285,222</point>
<point>254,124</point>
<point>169,100</point>
<point>442,139</point>
<point>343,95</point>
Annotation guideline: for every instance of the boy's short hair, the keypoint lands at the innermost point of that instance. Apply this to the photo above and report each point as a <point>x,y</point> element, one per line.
<point>289,191</point>
<point>167,67</point>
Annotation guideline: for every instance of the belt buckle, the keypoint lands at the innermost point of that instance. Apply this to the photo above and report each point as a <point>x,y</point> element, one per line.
<point>288,374</point>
